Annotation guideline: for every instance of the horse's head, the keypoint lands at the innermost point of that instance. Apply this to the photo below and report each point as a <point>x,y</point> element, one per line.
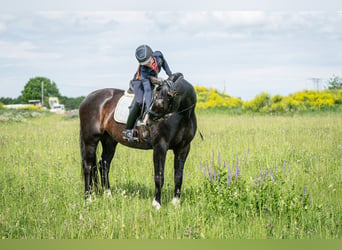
<point>162,99</point>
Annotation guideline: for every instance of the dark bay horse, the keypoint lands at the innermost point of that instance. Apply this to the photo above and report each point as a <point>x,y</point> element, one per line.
<point>171,125</point>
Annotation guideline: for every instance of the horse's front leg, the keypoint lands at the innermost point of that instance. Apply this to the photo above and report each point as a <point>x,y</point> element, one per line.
<point>179,161</point>
<point>94,181</point>
<point>159,155</point>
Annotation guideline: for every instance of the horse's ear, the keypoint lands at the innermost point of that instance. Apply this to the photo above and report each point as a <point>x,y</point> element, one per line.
<point>156,80</point>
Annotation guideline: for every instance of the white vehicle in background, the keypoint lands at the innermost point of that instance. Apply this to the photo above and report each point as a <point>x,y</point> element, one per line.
<point>55,106</point>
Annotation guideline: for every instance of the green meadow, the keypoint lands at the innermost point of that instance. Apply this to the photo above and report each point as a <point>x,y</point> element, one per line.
<point>253,176</point>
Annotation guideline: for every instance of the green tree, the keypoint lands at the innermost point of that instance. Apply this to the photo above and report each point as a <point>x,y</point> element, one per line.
<point>8,100</point>
<point>335,82</point>
<point>33,89</point>
<point>71,102</point>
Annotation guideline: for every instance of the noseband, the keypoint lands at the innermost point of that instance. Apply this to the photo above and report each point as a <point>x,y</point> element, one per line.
<point>167,95</point>
<point>157,115</point>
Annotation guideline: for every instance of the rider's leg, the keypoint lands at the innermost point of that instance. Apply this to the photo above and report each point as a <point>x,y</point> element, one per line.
<point>148,97</point>
<point>134,111</point>
<point>147,92</point>
<point>133,115</point>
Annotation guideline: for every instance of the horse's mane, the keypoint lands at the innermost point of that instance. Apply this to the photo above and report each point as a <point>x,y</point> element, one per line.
<point>185,97</point>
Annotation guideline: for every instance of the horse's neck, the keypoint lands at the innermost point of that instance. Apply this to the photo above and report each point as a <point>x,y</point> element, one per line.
<point>185,95</point>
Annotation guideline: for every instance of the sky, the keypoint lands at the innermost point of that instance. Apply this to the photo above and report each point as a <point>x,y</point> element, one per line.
<point>243,48</point>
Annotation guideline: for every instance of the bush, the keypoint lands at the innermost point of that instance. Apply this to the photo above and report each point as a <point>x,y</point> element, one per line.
<point>260,103</point>
<point>307,100</point>
<point>211,98</point>
<point>20,115</point>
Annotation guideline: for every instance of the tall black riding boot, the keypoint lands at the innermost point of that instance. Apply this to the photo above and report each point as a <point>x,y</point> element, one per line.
<point>133,115</point>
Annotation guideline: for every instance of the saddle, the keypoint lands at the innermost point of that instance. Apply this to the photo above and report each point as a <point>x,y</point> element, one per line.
<point>122,108</point>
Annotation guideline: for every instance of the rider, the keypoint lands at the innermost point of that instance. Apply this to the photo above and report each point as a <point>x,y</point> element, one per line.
<point>150,64</point>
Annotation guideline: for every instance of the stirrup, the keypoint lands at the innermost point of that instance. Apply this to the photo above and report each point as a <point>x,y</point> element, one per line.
<point>141,123</point>
<point>128,134</point>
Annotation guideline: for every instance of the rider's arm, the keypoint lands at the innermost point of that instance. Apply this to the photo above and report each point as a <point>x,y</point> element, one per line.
<point>165,65</point>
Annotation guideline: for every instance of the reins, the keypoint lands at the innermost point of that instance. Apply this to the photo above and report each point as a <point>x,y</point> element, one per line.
<point>171,91</point>
<point>186,109</point>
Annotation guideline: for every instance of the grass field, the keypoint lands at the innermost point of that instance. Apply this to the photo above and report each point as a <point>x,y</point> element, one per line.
<point>253,177</point>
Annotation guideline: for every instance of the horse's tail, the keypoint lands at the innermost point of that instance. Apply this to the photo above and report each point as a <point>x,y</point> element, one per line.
<point>201,135</point>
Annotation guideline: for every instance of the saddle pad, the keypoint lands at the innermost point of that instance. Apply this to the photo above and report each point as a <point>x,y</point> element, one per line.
<point>122,108</point>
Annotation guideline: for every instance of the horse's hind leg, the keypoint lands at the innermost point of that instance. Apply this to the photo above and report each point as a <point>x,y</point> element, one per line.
<point>89,168</point>
<point>179,161</point>
<point>108,151</point>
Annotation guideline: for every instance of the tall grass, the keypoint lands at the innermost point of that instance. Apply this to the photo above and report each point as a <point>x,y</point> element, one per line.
<point>42,189</point>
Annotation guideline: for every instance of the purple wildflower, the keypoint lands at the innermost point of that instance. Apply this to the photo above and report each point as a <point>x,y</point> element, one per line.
<point>219,158</point>
<point>271,174</point>
<point>266,174</point>
<point>257,180</point>
<point>208,171</point>
<point>304,190</point>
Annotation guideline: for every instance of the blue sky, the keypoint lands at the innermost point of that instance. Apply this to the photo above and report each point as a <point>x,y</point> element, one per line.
<point>241,48</point>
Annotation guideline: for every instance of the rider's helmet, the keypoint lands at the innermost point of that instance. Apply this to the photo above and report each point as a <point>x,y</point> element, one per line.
<point>143,54</point>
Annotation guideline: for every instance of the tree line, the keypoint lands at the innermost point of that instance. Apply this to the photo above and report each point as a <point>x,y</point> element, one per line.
<point>33,91</point>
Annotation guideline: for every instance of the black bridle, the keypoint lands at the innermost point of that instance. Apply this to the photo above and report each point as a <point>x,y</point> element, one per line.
<point>156,116</point>
<point>171,93</point>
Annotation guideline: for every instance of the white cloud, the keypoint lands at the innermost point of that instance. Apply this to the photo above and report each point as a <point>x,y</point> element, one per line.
<point>2,28</point>
<point>96,48</point>
<point>23,50</point>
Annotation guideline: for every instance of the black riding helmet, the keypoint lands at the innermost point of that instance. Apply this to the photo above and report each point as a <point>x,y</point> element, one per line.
<point>143,54</point>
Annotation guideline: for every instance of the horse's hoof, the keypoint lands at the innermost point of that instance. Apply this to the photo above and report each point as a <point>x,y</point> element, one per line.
<point>156,204</point>
<point>175,201</point>
<point>89,200</point>
<point>107,193</point>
